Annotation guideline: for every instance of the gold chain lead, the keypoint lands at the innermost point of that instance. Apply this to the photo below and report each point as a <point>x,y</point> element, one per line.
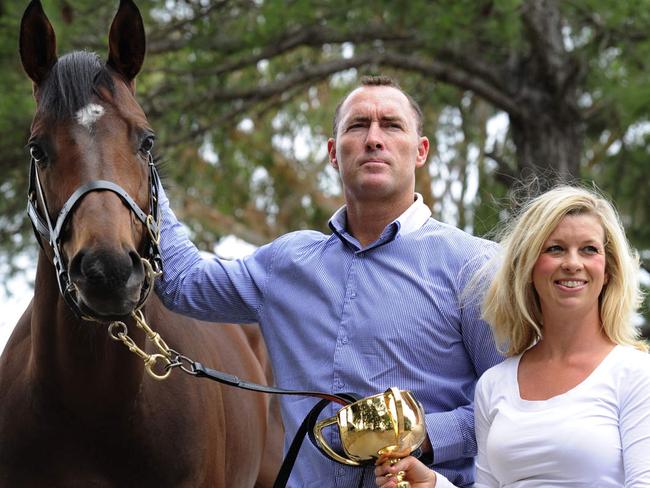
<point>120,332</point>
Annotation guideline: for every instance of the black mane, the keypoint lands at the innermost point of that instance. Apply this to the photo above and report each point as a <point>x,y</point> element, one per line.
<point>72,81</point>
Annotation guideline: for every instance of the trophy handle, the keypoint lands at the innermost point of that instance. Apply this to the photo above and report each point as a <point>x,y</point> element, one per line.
<point>326,447</point>
<point>399,430</point>
<point>399,409</point>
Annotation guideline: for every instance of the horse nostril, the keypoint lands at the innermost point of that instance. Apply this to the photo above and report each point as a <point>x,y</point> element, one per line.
<point>136,261</point>
<point>137,269</point>
<point>75,266</point>
<point>74,269</point>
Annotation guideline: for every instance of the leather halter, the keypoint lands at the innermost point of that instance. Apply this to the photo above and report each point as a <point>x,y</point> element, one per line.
<point>44,230</point>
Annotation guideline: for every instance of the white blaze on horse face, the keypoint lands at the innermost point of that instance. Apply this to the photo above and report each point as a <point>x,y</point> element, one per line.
<point>88,115</point>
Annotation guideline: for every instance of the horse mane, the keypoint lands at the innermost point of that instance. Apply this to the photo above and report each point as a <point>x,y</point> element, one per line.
<point>73,80</point>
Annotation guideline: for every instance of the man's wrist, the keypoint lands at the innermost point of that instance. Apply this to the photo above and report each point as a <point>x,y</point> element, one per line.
<point>424,453</point>
<point>425,457</point>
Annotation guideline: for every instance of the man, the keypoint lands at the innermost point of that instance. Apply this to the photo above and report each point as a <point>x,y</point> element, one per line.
<point>374,304</point>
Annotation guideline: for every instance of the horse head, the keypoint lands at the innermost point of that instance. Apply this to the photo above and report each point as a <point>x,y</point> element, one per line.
<point>93,184</point>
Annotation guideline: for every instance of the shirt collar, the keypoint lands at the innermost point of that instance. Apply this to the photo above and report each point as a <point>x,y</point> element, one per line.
<point>411,220</point>
<point>415,216</point>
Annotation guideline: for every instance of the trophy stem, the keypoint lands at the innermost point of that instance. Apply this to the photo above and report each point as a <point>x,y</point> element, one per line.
<point>401,482</point>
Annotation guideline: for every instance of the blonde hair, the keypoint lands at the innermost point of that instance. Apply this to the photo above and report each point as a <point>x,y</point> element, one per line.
<point>511,304</point>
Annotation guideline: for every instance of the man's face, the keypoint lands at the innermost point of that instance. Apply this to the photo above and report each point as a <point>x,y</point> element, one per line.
<point>377,147</point>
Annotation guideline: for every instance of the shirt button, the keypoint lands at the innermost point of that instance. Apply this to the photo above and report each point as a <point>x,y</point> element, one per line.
<point>353,294</point>
<point>340,472</point>
<point>344,340</point>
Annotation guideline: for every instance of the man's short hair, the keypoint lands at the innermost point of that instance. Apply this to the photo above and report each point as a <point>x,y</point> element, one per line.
<point>379,80</point>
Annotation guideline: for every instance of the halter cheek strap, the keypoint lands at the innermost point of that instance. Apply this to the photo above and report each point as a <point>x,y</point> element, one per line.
<point>44,229</point>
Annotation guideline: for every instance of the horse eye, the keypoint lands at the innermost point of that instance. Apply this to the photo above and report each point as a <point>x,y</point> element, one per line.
<point>37,154</point>
<point>147,144</point>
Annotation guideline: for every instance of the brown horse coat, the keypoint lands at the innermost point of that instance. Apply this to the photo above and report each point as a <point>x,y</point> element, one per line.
<point>76,407</point>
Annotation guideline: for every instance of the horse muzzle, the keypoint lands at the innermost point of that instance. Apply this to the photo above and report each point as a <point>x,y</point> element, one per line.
<point>108,283</point>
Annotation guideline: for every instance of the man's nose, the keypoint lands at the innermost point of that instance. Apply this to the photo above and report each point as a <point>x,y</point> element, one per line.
<point>374,140</point>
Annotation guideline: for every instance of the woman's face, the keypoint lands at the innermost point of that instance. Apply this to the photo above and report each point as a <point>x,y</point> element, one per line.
<point>569,273</point>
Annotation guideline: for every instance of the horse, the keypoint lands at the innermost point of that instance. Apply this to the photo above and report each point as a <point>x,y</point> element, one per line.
<point>77,407</point>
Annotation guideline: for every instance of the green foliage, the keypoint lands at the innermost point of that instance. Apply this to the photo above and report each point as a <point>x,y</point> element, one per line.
<point>241,95</point>
<point>624,174</point>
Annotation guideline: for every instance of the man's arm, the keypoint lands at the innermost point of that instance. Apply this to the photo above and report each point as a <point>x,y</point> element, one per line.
<point>473,281</point>
<point>202,285</point>
<point>452,434</point>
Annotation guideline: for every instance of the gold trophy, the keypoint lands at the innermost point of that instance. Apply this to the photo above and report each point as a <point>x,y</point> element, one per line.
<point>389,424</point>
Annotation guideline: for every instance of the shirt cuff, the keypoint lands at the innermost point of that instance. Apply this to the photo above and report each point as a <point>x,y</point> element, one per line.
<point>445,436</point>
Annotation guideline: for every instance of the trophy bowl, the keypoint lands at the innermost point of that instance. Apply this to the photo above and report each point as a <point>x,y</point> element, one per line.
<point>390,424</point>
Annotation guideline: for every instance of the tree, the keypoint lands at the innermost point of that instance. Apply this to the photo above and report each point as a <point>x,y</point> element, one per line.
<point>241,94</point>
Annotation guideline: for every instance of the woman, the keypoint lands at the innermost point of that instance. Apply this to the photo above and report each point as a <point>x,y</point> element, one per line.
<point>570,406</point>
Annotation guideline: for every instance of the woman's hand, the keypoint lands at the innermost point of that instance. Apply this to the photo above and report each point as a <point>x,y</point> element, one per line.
<point>414,472</point>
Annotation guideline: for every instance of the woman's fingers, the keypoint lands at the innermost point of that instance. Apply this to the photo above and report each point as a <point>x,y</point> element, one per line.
<point>414,471</point>
<point>385,475</point>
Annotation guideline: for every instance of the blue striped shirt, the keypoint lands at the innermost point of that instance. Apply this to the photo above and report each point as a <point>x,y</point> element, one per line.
<point>337,317</point>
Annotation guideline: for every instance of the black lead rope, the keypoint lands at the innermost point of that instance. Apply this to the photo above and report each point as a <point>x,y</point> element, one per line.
<point>307,426</point>
<point>204,372</point>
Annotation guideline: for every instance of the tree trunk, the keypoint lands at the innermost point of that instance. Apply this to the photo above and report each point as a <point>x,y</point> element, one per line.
<point>548,146</point>
<point>547,126</point>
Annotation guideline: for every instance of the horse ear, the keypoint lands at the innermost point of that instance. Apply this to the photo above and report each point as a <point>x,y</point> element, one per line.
<point>126,41</point>
<point>37,43</point>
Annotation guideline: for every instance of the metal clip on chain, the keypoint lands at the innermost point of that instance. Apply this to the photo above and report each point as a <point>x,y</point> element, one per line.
<point>120,332</point>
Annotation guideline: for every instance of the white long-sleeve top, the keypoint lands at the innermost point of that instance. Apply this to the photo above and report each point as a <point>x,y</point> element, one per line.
<point>595,435</point>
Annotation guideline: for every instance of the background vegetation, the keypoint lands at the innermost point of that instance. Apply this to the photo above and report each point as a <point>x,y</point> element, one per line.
<point>241,94</point>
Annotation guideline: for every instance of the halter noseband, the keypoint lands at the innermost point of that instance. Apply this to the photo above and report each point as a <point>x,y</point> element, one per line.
<point>44,229</point>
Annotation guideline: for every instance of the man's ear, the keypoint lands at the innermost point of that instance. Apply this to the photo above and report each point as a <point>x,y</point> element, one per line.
<point>331,150</point>
<point>423,151</point>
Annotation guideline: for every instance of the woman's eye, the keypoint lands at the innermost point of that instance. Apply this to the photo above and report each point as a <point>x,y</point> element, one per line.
<point>591,250</point>
<point>554,249</point>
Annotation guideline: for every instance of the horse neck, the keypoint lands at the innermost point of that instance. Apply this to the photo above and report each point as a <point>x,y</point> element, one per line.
<point>75,358</point>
